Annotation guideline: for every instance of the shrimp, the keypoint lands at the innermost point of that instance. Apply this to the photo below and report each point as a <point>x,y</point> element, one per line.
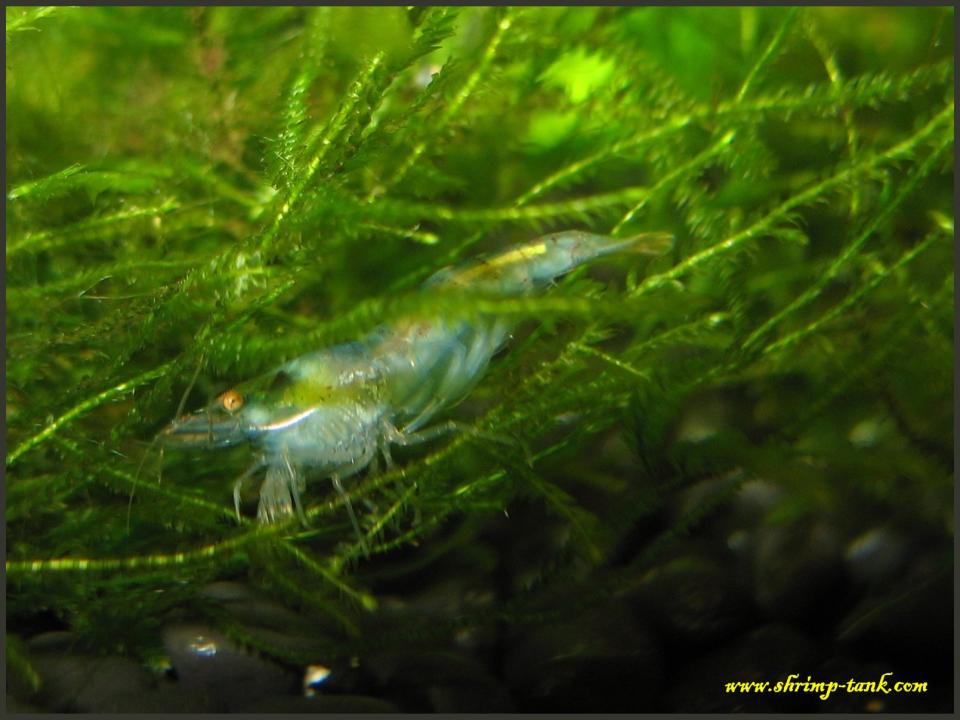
<point>334,411</point>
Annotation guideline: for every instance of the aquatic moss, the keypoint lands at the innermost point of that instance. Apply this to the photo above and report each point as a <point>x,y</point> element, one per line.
<point>207,192</point>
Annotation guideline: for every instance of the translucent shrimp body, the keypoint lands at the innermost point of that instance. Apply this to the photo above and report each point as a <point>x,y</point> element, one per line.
<point>332,411</point>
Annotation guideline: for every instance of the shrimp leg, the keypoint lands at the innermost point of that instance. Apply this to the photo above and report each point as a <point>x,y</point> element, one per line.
<point>338,486</point>
<point>405,438</point>
<point>242,479</point>
<point>387,456</point>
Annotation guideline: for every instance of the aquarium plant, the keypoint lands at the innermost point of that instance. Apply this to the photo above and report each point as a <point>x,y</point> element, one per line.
<point>195,196</point>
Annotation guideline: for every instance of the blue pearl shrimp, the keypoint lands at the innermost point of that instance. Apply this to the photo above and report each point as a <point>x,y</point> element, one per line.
<point>332,412</point>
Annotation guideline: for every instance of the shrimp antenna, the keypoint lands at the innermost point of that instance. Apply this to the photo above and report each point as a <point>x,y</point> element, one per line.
<point>146,453</point>
<point>136,476</point>
<point>193,381</point>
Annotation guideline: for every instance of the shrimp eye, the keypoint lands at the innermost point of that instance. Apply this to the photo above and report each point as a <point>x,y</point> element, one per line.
<point>231,400</point>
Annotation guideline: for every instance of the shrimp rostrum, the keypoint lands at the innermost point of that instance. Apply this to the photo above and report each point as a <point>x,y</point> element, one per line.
<point>333,411</point>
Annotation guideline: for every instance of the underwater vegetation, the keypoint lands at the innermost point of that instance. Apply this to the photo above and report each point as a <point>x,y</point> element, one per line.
<point>729,462</point>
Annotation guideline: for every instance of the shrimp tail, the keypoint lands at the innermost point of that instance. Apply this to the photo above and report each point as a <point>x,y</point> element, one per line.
<point>652,243</point>
<point>566,251</point>
<point>531,267</point>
